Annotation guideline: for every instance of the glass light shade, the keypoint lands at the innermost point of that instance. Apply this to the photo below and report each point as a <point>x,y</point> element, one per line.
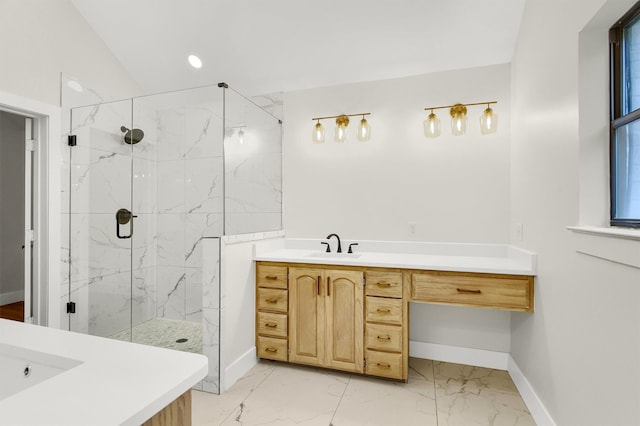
<point>318,133</point>
<point>432,126</point>
<point>488,122</point>
<point>459,125</point>
<point>342,122</point>
<point>364,131</point>
<point>340,133</point>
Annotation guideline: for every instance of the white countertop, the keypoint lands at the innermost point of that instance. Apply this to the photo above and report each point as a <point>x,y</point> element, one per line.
<point>117,383</point>
<point>483,258</point>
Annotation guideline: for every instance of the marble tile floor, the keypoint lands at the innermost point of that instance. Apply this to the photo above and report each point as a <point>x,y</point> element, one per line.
<point>165,333</point>
<point>437,393</point>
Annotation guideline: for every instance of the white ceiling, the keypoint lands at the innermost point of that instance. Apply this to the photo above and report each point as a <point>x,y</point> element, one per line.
<point>267,46</point>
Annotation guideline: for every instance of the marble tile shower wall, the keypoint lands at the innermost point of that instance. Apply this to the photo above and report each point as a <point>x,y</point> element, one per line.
<point>190,205</point>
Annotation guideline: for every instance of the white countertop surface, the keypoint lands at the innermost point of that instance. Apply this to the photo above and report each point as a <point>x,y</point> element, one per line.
<point>117,383</point>
<point>482,258</point>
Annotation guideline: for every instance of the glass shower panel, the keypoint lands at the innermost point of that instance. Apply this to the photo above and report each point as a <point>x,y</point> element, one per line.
<point>177,184</point>
<point>100,219</point>
<point>253,167</point>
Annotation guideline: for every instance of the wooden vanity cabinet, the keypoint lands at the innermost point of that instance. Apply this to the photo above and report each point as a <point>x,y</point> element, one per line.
<point>495,291</point>
<point>387,326</point>
<point>356,319</point>
<point>272,305</point>
<point>326,318</point>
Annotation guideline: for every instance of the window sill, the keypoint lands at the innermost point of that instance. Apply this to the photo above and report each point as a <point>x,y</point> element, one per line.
<point>619,245</point>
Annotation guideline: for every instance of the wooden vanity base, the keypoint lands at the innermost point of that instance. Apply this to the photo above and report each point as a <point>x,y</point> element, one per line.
<point>174,414</point>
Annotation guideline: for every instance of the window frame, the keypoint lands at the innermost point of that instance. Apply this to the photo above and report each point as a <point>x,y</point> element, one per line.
<point>617,119</point>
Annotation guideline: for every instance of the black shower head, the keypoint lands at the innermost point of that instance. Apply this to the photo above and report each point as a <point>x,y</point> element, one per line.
<point>132,136</point>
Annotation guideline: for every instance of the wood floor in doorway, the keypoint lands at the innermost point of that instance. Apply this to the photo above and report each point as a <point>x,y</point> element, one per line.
<point>13,311</point>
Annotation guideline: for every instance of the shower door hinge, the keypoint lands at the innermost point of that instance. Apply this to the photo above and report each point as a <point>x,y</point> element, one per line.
<point>30,145</point>
<point>71,307</point>
<point>29,235</point>
<point>71,140</point>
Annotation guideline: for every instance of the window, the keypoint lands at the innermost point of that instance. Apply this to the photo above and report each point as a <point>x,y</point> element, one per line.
<point>625,120</point>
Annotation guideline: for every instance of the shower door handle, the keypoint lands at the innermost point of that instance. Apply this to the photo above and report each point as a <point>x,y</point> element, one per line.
<point>124,216</point>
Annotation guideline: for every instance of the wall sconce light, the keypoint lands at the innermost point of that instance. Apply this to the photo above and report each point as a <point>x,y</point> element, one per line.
<point>458,112</point>
<point>342,121</point>
<point>230,131</point>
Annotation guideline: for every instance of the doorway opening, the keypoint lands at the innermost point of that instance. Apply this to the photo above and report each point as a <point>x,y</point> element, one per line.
<point>17,149</point>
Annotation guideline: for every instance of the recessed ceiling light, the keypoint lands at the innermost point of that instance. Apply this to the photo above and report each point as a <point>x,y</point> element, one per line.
<point>75,86</point>
<point>195,61</point>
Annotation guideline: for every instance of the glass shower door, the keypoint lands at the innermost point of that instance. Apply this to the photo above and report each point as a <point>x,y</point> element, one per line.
<point>101,219</point>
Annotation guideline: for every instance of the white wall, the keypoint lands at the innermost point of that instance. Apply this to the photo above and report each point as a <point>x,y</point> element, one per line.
<point>456,189</point>
<point>580,350</point>
<point>41,39</point>
<point>11,207</point>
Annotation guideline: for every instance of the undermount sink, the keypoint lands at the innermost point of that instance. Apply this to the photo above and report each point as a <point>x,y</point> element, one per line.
<point>326,255</point>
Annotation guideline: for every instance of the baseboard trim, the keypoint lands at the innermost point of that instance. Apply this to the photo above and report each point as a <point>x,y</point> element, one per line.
<point>12,297</point>
<point>534,404</point>
<point>238,368</point>
<point>460,355</point>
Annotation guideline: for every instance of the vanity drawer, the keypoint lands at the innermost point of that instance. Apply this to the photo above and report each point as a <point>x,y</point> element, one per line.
<point>384,284</point>
<point>384,310</point>
<point>271,276</point>
<point>272,348</point>
<point>513,292</point>
<point>272,324</point>
<point>270,299</point>
<point>384,337</point>
<point>384,364</point>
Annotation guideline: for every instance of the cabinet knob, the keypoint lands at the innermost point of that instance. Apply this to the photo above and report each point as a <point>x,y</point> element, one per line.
<point>383,365</point>
<point>384,337</point>
<point>270,349</point>
<point>384,311</point>
<point>272,277</point>
<point>271,300</point>
<point>270,324</point>
<point>384,284</point>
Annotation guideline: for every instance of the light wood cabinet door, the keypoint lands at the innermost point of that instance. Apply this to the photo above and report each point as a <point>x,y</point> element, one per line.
<point>344,320</point>
<point>306,316</point>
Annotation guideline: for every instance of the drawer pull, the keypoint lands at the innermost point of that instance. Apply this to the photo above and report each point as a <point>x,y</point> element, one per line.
<point>465,291</point>
<point>272,277</point>
<point>383,365</point>
<point>384,311</point>
<point>384,337</point>
<point>270,324</point>
<point>383,284</point>
<point>271,300</point>
<point>270,349</point>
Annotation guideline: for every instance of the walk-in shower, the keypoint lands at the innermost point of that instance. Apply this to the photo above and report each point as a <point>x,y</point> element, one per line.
<point>141,205</point>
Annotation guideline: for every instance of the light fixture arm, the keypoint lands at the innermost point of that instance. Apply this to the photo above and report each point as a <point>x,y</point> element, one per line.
<point>466,105</point>
<point>347,115</point>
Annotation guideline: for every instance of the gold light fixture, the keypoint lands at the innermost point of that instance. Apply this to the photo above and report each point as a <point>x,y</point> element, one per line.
<point>458,112</point>
<point>364,130</point>
<point>342,122</point>
<point>341,128</point>
<point>432,126</point>
<point>488,121</point>
<point>318,133</point>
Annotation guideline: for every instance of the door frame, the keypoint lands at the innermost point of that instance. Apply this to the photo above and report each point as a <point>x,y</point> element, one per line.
<point>46,203</point>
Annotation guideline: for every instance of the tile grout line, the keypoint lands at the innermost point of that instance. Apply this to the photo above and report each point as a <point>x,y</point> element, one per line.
<point>341,398</point>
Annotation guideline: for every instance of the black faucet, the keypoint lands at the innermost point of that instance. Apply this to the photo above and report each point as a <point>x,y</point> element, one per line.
<point>339,244</point>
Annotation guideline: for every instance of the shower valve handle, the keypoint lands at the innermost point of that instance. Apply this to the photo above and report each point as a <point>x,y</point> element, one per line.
<point>124,216</point>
